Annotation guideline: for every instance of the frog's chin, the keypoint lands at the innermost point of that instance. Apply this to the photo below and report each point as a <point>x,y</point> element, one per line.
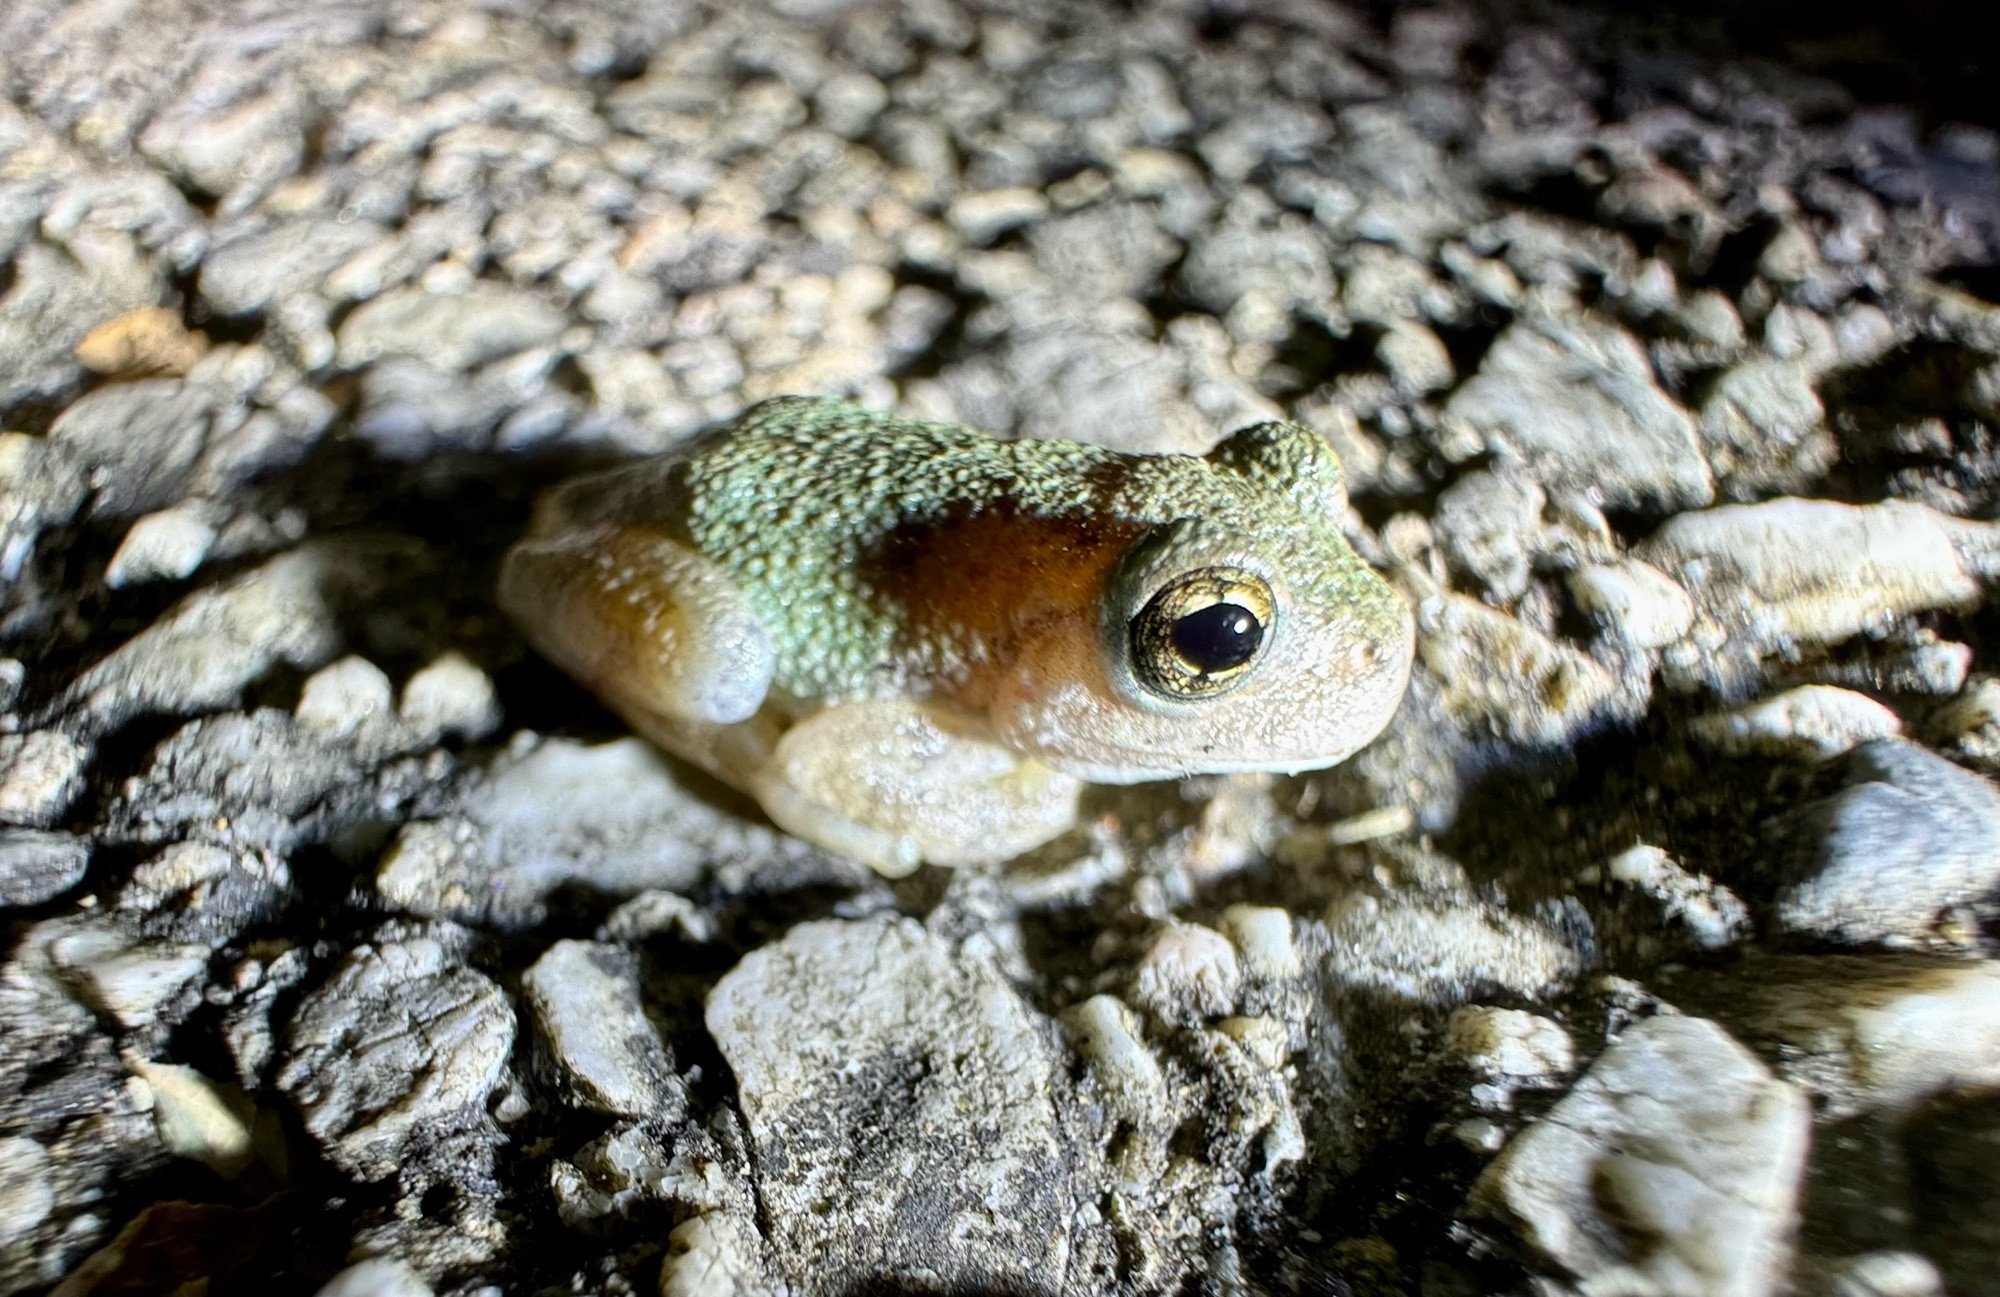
<point>1140,772</point>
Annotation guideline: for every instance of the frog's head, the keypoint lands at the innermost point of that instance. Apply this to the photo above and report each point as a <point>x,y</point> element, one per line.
<point>1249,636</point>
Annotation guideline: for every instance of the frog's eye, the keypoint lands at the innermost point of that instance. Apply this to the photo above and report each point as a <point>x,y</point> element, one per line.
<point>1201,633</point>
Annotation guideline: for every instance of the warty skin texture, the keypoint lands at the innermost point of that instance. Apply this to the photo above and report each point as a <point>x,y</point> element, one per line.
<point>967,602</point>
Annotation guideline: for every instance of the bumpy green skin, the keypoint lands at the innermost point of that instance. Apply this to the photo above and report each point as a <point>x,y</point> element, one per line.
<point>794,497</point>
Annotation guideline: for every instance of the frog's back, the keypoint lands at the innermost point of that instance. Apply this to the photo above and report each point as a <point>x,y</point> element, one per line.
<point>799,492</point>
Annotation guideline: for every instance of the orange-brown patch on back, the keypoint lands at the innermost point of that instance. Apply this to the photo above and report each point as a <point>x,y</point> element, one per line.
<point>993,578</point>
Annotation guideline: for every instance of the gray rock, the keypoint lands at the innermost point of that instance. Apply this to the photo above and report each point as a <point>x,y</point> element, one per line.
<point>1671,1169</point>
<point>611,817</point>
<point>37,866</point>
<point>1116,389</point>
<point>448,331</point>
<point>55,298</point>
<point>40,486</point>
<point>274,783</point>
<point>585,1001</point>
<point>1446,949</point>
<point>147,444</point>
<point>63,1088</point>
<point>1862,1034</point>
<point>377,1277</point>
<point>1771,579</point>
<point>1489,524</point>
<point>901,1098</point>
<point>135,982</point>
<point>1574,398</point>
<point>1274,254</point>
<point>1499,677</point>
<point>398,1050</point>
<point>200,655</point>
<point>1105,251</point>
<point>1911,838</point>
<point>250,271</point>
<point>41,773</point>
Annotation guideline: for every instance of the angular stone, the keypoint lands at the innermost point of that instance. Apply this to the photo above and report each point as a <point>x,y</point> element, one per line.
<point>1575,399</point>
<point>401,1047</point>
<point>1909,838</point>
<point>585,1001</point>
<point>901,1099</point>
<point>1672,1167</point>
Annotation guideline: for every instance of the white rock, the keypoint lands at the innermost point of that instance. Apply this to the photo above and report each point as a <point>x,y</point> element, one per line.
<point>1188,972</point>
<point>196,1119</point>
<point>40,775</point>
<point>1441,951</point>
<point>26,1195</point>
<point>377,1277</point>
<point>983,217</point>
<point>1415,358</point>
<point>585,1001</point>
<point>1262,935</point>
<point>1635,601</point>
<point>1712,914</point>
<point>164,546</point>
<point>339,699</point>
<point>1885,1274</point>
<point>715,1254</point>
<point>1509,1044</point>
<point>1672,1168</point>
<point>1575,399</point>
<point>1107,1036</point>
<point>652,913</point>
<point>1769,578</point>
<point>847,103</point>
<point>1863,334</point>
<point>1875,1033</point>
<point>451,696</point>
<point>1818,722</point>
<point>130,980</point>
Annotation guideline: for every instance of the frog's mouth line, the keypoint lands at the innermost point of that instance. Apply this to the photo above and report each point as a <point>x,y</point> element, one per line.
<point>1113,762</point>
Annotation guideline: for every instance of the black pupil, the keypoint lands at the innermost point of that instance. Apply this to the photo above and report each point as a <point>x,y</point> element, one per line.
<point>1218,637</point>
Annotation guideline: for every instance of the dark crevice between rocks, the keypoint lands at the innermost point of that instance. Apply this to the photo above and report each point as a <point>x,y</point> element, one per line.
<point>1313,355</point>
<point>948,345</point>
<point>199,317</point>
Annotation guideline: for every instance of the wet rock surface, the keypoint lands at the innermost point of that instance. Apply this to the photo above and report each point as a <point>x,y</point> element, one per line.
<point>352,949</point>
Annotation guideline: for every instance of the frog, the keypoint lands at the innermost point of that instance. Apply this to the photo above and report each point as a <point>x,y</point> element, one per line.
<point>912,642</point>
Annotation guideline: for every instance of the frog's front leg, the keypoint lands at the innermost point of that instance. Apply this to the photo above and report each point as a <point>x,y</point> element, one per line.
<point>650,624</point>
<point>895,783</point>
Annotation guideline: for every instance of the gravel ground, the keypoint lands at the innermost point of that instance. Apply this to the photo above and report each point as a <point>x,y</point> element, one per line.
<point>1653,952</point>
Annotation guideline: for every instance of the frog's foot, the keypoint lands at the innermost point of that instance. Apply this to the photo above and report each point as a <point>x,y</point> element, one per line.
<point>895,783</point>
<point>642,619</point>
